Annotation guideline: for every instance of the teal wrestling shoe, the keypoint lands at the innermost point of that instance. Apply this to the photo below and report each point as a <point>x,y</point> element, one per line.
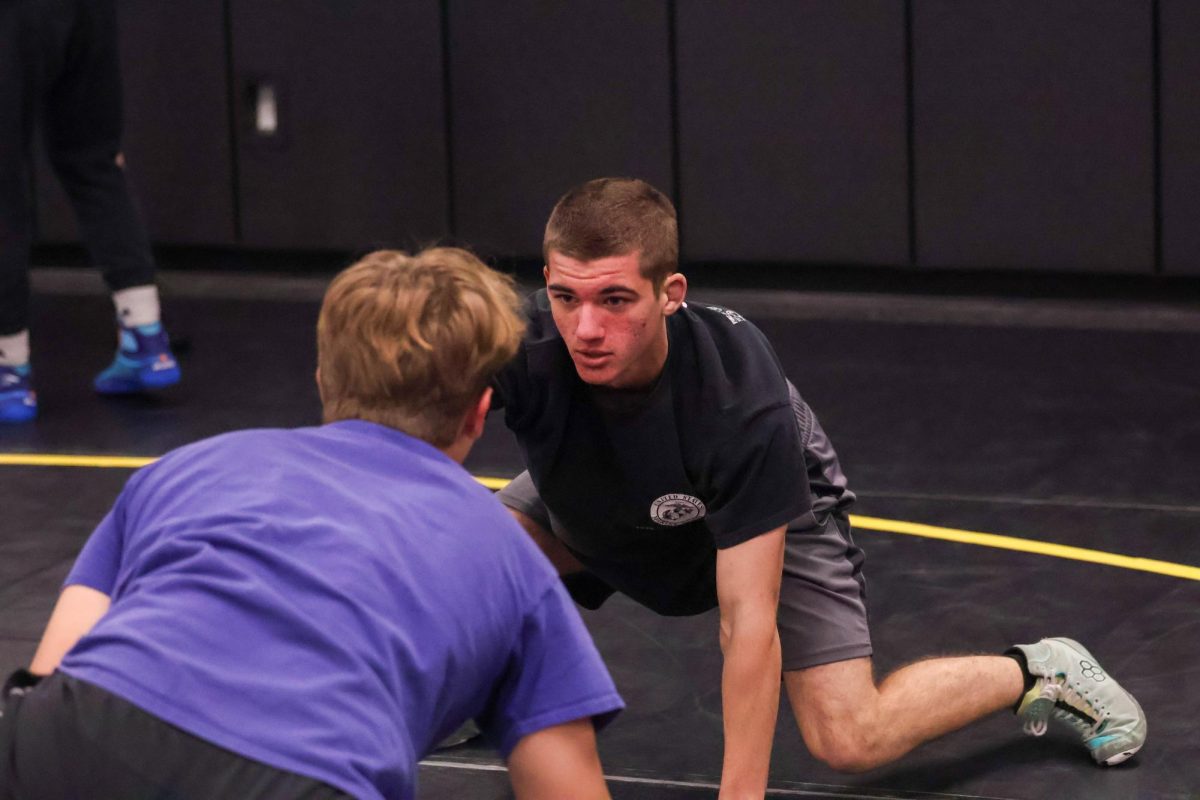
<point>144,362</point>
<point>1071,687</point>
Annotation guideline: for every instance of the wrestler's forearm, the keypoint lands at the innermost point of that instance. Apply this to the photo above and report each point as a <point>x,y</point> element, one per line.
<point>78,609</point>
<point>558,762</point>
<point>750,701</point>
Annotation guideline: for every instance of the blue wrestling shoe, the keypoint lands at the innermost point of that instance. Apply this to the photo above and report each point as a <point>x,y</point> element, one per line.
<point>144,362</point>
<point>1073,688</point>
<point>18,400</point>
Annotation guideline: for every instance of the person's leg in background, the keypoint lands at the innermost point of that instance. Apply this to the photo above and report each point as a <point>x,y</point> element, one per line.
<point>83,120</point>
<point>18,403</point>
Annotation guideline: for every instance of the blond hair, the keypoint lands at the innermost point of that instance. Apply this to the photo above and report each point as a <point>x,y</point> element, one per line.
<point>612,217</point>
<point>411,342</point>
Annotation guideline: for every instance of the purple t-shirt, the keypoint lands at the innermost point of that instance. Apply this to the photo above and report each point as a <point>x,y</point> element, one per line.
<point>331,601</point>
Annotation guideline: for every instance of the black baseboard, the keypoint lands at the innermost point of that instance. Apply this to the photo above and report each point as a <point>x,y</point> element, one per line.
<point>764,276</point>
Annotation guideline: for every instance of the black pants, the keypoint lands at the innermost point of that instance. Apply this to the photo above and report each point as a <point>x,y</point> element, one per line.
<point>59,63</point>
<point>68,739</point>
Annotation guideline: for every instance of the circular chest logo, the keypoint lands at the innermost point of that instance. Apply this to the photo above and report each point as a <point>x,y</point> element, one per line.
<point>676,509</point>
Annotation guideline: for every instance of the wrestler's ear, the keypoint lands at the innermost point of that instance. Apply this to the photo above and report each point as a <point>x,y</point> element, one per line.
<point>476,418</point>
<point>674,292</point>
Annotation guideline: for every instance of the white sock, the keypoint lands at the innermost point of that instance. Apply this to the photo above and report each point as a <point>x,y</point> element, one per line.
<point>137,306</point>
<point>14,350</point>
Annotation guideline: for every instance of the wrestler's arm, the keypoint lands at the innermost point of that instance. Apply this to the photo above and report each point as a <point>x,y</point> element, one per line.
<point>748,578</point>
<point>77,610</point>
<point>558,762</point>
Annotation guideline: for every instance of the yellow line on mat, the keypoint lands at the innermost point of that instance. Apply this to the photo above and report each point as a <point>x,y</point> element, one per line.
<point>1026,546</point>
<point>34,460</point>
<point>862,523</point>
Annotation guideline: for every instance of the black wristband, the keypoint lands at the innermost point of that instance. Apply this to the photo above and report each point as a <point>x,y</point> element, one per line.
<point>20,682</point>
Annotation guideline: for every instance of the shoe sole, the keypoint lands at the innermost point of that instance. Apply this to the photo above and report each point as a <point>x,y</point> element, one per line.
<point>20,415</point>
<point>1112,761</point>
<point>161,380</point>
<point>145,383</point>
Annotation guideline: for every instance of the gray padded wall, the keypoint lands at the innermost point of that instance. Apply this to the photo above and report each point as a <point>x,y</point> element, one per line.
<point>1034,134</point>
<point>546,95</point>
<point>176,126</point>
<point>359,160</point>
<point>792,130</point>
<point>1180,32</point>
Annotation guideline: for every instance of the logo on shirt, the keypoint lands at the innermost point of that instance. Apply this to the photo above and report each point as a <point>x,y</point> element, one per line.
<point>676,509</point>
<point>733,316</point>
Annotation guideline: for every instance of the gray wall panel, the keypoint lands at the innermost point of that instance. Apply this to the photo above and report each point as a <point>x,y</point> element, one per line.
<point>793,130</point>
<point>176,126</point>
<point>545,96</point>
<point>1180,32</point>
<point>359,159</point>
<point>1034,134</point>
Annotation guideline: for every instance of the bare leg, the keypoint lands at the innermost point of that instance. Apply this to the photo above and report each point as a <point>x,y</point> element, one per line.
<point>853,725</point>
<point>556,551</point>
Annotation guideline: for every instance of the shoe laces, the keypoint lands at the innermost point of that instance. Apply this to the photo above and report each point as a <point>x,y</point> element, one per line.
<point>1065,703</point>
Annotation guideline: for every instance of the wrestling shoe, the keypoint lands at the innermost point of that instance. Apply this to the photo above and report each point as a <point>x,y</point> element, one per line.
<point>465,733</point>
<point>18,400</point>
<point>1070,686</point>
<point>143,362</point>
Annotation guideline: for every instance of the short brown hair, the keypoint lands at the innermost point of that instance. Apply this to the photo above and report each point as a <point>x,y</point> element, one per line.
<point>411,342</point>
<point>614,216</point>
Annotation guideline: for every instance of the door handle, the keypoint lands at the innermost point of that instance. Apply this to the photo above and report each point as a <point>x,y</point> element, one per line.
<point>264,100</point>
<point>266,109</point>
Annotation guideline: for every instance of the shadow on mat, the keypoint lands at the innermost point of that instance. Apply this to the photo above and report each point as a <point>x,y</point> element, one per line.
<point>948,773</point>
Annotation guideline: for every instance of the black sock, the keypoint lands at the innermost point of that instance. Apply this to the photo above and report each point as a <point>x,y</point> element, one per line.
<point>20,682</point>
<point>1019,656</point>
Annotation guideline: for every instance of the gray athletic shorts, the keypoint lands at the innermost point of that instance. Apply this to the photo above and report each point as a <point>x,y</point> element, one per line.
<point>822,614</point>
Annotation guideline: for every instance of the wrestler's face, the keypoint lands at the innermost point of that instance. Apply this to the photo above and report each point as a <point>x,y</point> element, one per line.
<point>613,322</point>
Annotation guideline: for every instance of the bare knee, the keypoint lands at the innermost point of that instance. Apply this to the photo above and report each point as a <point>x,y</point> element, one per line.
<point>844,747</point>
<point>837,709</point>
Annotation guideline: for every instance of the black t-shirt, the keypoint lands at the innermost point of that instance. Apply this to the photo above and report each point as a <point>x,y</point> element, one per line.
<point>649,484</point>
